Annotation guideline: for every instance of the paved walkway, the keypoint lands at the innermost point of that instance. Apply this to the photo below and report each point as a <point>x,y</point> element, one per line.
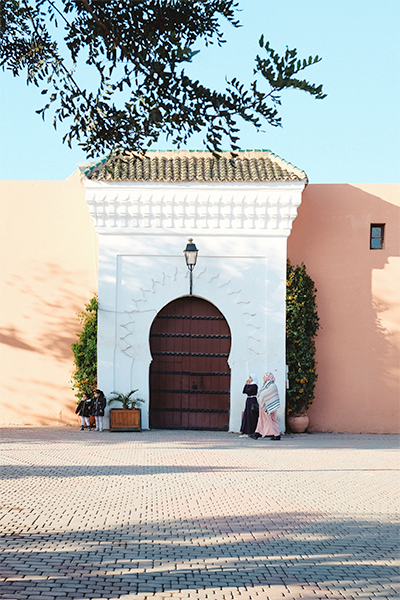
<point>190,514</point>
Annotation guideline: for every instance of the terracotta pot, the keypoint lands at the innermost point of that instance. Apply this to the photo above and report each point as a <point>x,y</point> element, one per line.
<point>298,423</point>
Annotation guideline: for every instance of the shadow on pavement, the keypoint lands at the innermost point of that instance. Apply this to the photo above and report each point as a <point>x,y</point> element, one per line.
<point>202,440</point>
<point>351,556</point>
<point>113,471</point>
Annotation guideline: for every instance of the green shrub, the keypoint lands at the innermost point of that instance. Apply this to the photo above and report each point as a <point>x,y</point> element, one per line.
<point>84,378</point>
<point>302,324</point>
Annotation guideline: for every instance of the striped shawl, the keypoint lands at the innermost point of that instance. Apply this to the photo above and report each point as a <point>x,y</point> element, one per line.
<point>268,397</point>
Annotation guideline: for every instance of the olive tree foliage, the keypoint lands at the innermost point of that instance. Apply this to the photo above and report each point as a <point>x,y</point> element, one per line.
<point>113,70</point>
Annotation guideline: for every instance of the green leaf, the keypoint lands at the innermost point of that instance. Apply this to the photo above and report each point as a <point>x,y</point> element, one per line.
<point>141,47</point>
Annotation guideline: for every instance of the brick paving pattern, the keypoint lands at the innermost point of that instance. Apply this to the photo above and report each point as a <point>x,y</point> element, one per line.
<point>196,514</point>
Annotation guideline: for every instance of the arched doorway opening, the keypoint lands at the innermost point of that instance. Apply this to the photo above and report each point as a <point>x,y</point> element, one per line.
<point>190,342</point>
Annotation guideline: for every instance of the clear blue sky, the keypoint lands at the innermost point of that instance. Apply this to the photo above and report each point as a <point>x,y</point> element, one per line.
<point>353,136</point>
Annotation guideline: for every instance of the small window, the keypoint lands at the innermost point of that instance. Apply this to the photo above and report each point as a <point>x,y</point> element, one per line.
<point>376,237</point>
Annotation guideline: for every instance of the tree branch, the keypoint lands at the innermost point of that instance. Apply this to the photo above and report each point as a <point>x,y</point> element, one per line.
<point>55,55</point>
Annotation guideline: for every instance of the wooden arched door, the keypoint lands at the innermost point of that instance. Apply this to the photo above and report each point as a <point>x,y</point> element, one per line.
<point>189,376</point>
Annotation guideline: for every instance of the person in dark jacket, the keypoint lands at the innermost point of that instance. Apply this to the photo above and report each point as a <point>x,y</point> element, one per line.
<point>98,406</point>
<point>84,410</point>
<point>250,414</point>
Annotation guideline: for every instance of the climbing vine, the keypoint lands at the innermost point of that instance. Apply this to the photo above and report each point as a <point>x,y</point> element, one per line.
<point>302,324</point>
<point>84,377</point>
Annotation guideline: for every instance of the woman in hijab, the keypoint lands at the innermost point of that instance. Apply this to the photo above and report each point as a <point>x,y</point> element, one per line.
<point>250,414</point>
<point>268,399</point>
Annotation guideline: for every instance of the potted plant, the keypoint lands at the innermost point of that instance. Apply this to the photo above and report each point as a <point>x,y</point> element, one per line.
<point>126,418</point>
<point>302,324</point>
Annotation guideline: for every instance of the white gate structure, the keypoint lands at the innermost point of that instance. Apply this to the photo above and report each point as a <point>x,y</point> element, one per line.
<point>239,209</point>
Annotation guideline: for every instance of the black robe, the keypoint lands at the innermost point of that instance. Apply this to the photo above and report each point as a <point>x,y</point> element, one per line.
<point>250,414</point>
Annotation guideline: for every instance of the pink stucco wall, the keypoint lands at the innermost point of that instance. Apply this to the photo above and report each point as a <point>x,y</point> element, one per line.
<point>358,347</point>
<point>48,271</point>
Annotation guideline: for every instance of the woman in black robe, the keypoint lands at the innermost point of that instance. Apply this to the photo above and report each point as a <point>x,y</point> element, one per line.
<point>250,414</point>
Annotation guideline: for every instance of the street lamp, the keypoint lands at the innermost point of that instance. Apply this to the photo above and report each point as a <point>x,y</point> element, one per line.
<point>191,253</point>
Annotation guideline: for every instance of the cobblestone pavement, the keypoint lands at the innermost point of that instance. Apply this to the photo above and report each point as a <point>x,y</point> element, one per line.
<point>195,514</point>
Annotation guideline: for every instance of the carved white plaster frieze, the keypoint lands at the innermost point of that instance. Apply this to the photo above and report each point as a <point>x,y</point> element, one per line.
<point>239,208</point>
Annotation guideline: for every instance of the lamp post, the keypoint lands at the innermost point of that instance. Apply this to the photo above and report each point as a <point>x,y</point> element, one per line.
<point>191,253</point>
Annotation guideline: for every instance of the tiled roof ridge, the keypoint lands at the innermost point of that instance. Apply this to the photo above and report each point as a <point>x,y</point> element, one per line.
<point>194,166</point>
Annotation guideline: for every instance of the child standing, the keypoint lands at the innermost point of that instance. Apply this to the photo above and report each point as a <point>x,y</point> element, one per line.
<point>98,406</point>
<point>84,410</point>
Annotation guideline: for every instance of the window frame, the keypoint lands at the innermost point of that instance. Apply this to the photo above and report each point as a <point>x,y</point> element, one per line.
<point>381,237</point>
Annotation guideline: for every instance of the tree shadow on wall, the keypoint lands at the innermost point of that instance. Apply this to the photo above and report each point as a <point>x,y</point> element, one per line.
<point>47,322</point>
<point>40,325</point>
<point>55,311</point>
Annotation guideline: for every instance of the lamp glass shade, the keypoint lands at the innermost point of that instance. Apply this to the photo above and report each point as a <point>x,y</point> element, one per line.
<point>190,253</point>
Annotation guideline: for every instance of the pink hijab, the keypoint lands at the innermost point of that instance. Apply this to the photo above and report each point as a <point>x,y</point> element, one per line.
<point>269,377</point>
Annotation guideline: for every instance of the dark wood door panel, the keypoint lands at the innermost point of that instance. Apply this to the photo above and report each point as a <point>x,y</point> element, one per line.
<point>189,375</point>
